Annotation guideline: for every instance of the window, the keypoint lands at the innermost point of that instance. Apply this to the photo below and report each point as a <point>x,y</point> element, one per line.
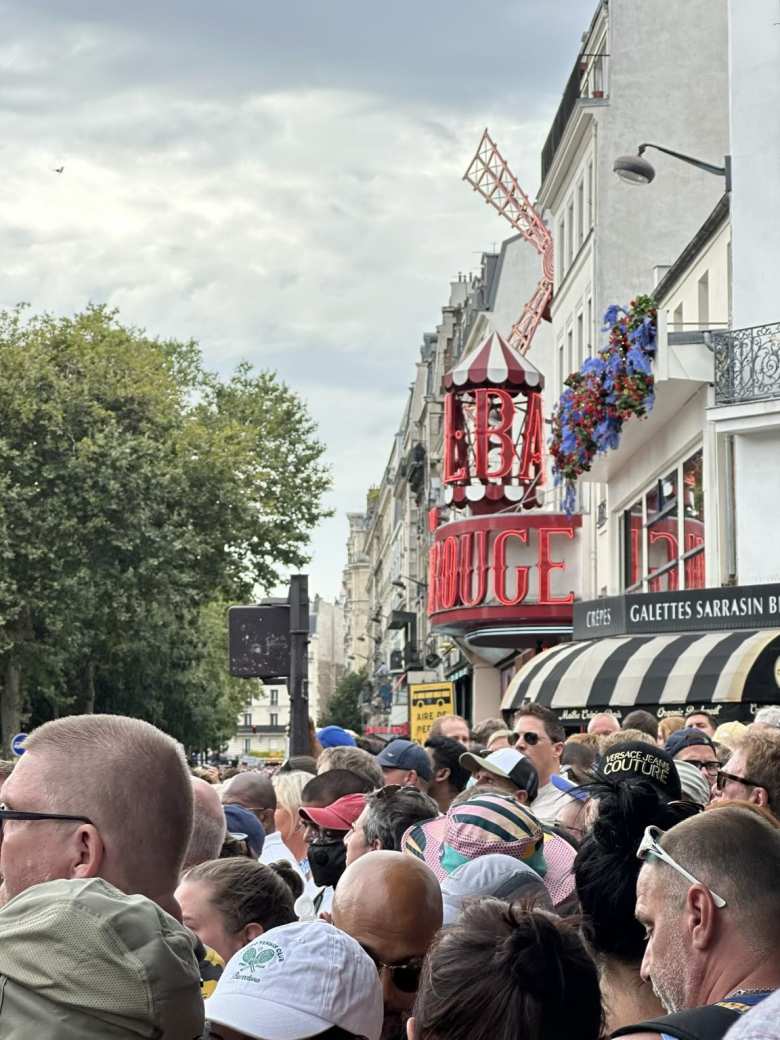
<point>677,320</point>
<point>590,195</point>
<point>561,250</point>
<point>570,362</point>
<point>561,364</point>
<point>704,300</point>
<point>570,221</point>
<point>580,213</point>
<point>247,745</point>
<point>663,532</point>
<point>274,698</point>
<point>580,340</point>
<point>274,719</point>
<point>590,327</point>
<point>247,718</point>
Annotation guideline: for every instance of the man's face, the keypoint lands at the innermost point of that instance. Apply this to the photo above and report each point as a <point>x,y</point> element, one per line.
<point>484,778</point>
<point>355,839</point>
<point>545,755</point>
<point>603,726</point>
<point>33,851</point>
<point>700,722</point>
<point>703,757</point>
<point>732,789</point>
<point>456,729</point>
<point>666,962</point>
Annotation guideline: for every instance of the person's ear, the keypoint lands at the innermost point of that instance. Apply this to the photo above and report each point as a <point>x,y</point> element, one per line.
<point>442,775</point>
<point>521,796</point>
<point>410,1029</point>
<point>558,747</point>
<point>250,932</point>
<point>700,917</point>
<point>88,852</point>
<point>760,796</point>
<point>376,845</point>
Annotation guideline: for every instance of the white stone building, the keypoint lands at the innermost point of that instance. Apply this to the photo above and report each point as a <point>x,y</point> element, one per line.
<point>326,653</point>
<point>262,726</point>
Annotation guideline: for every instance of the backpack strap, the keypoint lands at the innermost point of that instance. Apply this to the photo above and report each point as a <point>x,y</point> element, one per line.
<point>703,1023</point>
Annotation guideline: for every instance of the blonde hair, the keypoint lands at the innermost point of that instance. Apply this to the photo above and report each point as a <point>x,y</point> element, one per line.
<point>132,781</point>
<point>289,788</point>
<point>668,725</point>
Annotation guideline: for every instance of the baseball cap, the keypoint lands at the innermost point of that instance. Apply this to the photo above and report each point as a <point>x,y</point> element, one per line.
<point>405,754</point>
<point>687,737</point>
<point>635,760</point>
<point>81,960</point>
<point>299,980</point>
<point>245,826</point>
<point>335,736</point>
<point>507,764</point>
<point>496,875</point>
<point>693,782</point>
<point>339,815</point>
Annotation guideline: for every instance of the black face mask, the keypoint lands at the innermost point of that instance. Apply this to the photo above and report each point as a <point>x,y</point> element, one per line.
<point>328,861</point>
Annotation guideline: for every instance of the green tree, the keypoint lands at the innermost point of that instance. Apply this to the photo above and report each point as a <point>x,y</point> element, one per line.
<point>344,706</point>
<point>137,490</point>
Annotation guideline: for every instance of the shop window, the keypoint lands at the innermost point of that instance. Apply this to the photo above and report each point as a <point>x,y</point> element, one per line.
<point>663,532</point>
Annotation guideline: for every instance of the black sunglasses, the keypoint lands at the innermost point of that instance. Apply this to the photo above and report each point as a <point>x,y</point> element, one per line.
<point>531,739</point>
<point>18,814</point>
<point>405,977</point>
<point>722,777</point>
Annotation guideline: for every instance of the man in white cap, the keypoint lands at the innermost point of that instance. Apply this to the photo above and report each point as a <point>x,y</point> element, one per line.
<point>295,982</point>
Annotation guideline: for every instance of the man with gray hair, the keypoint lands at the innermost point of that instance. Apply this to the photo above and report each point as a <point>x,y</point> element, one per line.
<point>388,814</point>
<point>768,716</point>
<point>97,796</point>
<point>708,899</point>
<point>355,759</point>
<point>208,825</point>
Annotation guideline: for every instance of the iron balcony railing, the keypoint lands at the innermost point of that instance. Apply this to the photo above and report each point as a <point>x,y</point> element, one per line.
<point>747,364</point>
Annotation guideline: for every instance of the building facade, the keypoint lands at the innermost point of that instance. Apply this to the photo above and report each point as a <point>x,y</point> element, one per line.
<point>326,653</point>
<point>262,726</point>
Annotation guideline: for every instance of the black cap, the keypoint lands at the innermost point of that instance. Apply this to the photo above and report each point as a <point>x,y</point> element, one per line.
<point>636,760</point>
<point>687,737</point>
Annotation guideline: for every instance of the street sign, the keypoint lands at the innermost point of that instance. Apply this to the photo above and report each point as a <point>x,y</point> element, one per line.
<point>428,702</point>
<point>16,744</point>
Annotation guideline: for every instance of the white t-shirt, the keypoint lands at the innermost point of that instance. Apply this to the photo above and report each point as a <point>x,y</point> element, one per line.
<point>274,849</point>
<point>548,803</point>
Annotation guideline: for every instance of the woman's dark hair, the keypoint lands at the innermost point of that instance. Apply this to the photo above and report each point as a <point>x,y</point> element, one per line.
<point>505,973</point>
<point>289,875</point>
<point>606,868</point>
<point>245,892</point>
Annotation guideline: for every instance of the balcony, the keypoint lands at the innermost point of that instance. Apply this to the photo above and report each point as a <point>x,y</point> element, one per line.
<point>587,81</point>
<point>747,364</point>
<point>260,731</point>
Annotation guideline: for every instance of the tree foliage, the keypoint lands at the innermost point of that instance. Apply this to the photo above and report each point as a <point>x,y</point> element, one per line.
<point>139,494</point>
<point>343,708</point>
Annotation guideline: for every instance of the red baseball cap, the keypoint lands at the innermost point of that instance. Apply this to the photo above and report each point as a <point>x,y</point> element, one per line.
<point>339,816</point>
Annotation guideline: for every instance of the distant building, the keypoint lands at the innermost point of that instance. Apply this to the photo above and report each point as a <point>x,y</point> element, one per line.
<point>262,726</point>
<point>326,653</point>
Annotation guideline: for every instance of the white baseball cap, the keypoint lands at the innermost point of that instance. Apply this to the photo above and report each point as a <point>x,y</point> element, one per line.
<point>296,981</point>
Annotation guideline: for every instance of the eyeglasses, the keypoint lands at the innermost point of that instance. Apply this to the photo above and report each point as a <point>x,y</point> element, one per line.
<point>649,846</point>
<point>405,977</point>
<point>723,776</point>
<point>707,767</point>
<point>17,814</point>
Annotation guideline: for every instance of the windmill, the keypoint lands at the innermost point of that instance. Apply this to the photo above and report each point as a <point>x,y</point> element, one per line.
<point>489,174</point>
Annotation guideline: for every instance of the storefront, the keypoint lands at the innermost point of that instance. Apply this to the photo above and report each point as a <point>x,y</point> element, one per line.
<point>677,652</point>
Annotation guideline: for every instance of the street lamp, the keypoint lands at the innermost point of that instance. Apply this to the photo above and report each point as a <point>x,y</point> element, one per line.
<point>635,169</point>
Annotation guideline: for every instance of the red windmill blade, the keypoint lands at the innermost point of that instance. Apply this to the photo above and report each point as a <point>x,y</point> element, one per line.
<point>489,174</point>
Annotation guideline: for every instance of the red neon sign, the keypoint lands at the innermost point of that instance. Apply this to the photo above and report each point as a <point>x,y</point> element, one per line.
<point>514,565</point>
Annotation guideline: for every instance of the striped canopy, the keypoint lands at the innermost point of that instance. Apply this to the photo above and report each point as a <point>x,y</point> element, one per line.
<point>652,672</point>
<point>494,363</point>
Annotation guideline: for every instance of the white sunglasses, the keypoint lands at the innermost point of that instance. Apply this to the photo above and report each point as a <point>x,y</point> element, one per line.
<point>650,846</point>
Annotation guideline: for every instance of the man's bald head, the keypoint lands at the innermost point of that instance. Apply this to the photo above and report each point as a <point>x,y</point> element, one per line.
<point>208,825</point>
<point>255,792</point>
<point>603,724</point>
<point>390,897</point>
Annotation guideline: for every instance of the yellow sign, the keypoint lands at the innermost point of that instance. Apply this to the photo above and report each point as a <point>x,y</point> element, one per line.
<point>428,702</point>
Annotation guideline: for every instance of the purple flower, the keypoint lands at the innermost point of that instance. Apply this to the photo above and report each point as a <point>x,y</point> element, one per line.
<point>570,498</point>
<point>611,316</point>
<point>638,361</point>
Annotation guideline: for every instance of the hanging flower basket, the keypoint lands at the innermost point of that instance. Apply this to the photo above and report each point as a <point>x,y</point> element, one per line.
<point>608,389</point>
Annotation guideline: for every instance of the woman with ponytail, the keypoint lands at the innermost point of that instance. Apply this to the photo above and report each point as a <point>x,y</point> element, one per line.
<point>636,786</point>
<point>504,973</point>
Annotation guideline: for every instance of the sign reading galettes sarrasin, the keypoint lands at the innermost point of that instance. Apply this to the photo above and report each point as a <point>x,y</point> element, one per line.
<point>696,610</point>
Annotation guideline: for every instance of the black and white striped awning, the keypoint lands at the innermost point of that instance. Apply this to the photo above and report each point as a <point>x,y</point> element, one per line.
<point>652,672</point>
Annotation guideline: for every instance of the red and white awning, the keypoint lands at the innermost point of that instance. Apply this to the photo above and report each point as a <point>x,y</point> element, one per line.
<point>494,363</point>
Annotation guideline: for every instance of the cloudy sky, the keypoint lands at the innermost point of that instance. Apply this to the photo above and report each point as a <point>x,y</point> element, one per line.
<point>280,181</point>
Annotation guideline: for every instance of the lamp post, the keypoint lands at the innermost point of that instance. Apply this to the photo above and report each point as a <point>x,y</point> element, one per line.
<point>635,169</point>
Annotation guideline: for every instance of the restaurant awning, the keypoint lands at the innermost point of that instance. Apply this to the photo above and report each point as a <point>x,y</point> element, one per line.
<point>650,672</point>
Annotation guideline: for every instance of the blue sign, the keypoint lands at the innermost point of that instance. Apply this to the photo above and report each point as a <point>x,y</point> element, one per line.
<point>16,744</point>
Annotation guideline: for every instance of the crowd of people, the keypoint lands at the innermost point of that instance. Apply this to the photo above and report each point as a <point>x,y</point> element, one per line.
<point>495,883</point>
